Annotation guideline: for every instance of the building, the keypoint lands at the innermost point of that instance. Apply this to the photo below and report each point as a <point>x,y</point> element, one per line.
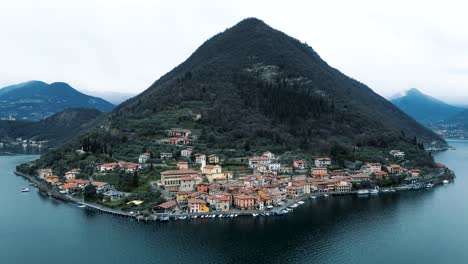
<point>143,158</point>
<point>166,155</point>
<point>129,167</point>
<point>52,179</point>
<point>274,166</point>
<point>182,165</point>
<point>343,186</point>
<point>322,162</point>
<point>200,158</point>
<point>42,173</point>
<point>178,133</point>
<point>166,207</point>
<point>268,154</point>
<point>294,191</point>
<point>370,168</point>
<point>358,178</point>
<point>319,172</point>
<point>397,154</point>
<point>187,184</point>
<point>108,167</point>
<point>197,206</point>
<point>213,159</point>
<point>244,202</point>
<point>186,153</point>
<point>223,204</point>
<point>415,172</point>
<point>72,173</point>
<point>394,169</point>
<point>102,186</point>
<point>300,164</point>
<point>256,161</point>
<point>171,179</point>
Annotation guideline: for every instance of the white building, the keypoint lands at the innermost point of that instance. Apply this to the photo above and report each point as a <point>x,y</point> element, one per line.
<point>143,158</point>
<point>397,154</point>
<point>322,162</point>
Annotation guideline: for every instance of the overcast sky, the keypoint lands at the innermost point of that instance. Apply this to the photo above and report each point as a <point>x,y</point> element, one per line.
<point>125,46</point>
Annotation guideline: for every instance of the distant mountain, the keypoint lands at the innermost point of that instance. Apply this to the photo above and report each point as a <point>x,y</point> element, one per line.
<point>424,108</point>
<point>56,129</point>
<point>249,89</point>
<point>114,97</point>
<point>35,100</point>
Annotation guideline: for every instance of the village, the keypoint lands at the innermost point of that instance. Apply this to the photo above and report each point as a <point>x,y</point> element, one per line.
<point>199,185</point>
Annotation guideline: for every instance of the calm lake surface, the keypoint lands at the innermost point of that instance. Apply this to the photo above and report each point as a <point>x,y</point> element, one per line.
<point>428,226</point>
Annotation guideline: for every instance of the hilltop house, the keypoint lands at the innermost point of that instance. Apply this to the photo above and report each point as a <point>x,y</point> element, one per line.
<point>322,162</point>
<point>200,158</point>
<point>42,173</point>
<point>108,167</point>
<point>397,154</point>
<point>72,173</point>
<point>186,153</point>
<point>370,168</point>
<point>319,172</point>
<point>165,155</point>
<point>256,161</point>
<point>213,159</point>
<point>143,158</point>
<point>179,133</point>
<point>300,164</point>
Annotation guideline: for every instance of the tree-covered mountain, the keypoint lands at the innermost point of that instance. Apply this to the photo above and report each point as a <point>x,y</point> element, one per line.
<point>253,88</point>
<point>424,108</point>
<point>35,100</point>
<point>56,129</point>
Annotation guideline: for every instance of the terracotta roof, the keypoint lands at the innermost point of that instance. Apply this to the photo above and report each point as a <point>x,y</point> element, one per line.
<point>77,181</point>
<point>178,172</point>
<point>69,186</point>
<point>196,201</point>
<point>99,184</point>
<point>168,204</point>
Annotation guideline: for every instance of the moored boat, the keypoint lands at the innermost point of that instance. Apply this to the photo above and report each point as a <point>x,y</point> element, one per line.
<point>429,185</point>
<point>26,189</point>
<point>301,202</point>
<point>363,192</point>
<point>445,181</point>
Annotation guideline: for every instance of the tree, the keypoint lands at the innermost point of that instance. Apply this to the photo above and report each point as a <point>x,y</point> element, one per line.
<point>90,192</point>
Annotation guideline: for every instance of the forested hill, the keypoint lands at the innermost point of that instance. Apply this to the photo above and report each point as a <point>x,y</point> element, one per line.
<point>253,88</point>
<point>56,129</point>
<point>36,100</point>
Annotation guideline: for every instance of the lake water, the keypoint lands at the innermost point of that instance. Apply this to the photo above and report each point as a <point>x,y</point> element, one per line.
<point>428,226</point>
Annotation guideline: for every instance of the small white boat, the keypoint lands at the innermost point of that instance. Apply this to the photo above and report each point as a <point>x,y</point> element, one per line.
<point>26,189</point>
<point>313,197</point>
<point>235,215</point>
<point>194,216</point>
<point>445,181</point>
<point>325,195</point>
<point>363,192</point>
<point>254,215</point>
<point>269,207</point>
<point>82,206</point>
<point>374,191</point>
<point>219,216</point>
<point>284,211</point>
<point>288,209</point>
<point>294,205</point>
<point>301,202</point>
<point>202,216</point>
<point>231,215</point>
<point>429,185</point>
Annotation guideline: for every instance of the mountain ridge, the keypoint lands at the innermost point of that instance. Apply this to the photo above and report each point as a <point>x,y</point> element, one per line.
<point>35,100</point>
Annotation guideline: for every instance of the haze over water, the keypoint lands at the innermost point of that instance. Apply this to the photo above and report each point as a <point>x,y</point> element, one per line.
<point>427,226</point>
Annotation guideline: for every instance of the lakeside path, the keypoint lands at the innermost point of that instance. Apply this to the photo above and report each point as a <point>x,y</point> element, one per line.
<point>155,216</point>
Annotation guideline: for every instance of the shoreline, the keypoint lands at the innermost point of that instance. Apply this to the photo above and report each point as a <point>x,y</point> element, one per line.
<point>46,190</point>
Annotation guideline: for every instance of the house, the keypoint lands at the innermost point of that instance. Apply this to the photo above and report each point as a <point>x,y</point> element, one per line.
<point>223,204</point>
<point>171,179</point>
<point>108,167</point>
<point>187,184</point>
<point>370,168</point>
<point>113,195</point>
<point>338,173</point>
<point>102,186</point>
<point>203,187</point>
<point>255,161</point>
<point>178,133</point>
<point>319,172</point>
<point>171,141</point>
<point>358,178</point>
<point>322,162</point>
<point>79,182</point>
<point>379,175</point>
<point>286,169</point>
<point>52,179</point>
<point>299,164</point>
<point>69,187</point>
<point>211,169</point>
<point>166,207</point>
<point>274,166</point>
<point>397,154</point>
<point>143,158</point>
<point>182,165</point>
<point>186,153</point>
<point>415,172</point>
<point>200,158</point>
<point>165,155</point>
<point>394,169</point>
<point>294,191</point>
<point>343,186</point>
<point>214,172</point>
<point>244,202</point>
<point>268,154</point>
<point>213,159</point>
<point>72,173</point>
<point>42,173</point>
<point>197,206</point>
<point>129,167</point>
